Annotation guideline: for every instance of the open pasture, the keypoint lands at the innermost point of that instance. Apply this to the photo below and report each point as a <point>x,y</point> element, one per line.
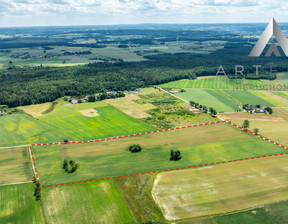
<point>221,189</point>
<point>17,205</point>
<point>22,129</point>
<point>88,203</point>
<point>224,147</point>
<point>69,120</point>
<point>66,121</point>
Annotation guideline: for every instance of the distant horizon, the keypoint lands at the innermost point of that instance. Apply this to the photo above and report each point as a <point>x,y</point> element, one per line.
<point>37,13</point>
<point>139,24</point>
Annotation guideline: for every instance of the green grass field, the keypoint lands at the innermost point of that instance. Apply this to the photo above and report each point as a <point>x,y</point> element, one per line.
<point>261,217</point>
<point>210,98</point>
<point>278,211</point>
<point>17,205</point>
<point>98,202</point>
<point>110,122</point>
<point>226,188</point>
<point>66,122</point>
<point>22,129</point>
<point>246,97</point>
<point>49,159</point>
<point>212,82</point>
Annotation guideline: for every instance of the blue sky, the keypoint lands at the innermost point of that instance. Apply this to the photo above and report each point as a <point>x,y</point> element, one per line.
<point>106,12</point>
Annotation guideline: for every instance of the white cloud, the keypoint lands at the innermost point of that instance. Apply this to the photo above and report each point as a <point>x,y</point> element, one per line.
<point>72,12</point>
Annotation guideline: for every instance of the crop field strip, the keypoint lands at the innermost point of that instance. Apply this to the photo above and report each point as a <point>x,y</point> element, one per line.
<point>219,82</point>
<point>166,170</point>
<point>210,98</point>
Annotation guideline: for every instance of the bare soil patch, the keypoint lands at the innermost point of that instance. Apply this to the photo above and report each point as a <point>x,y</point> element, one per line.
<point>89,112</point>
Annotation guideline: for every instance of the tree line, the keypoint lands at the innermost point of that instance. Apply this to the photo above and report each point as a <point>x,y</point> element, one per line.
<point>25,86</point>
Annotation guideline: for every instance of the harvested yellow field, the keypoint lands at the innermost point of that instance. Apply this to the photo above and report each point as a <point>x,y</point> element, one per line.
<point>36,110</point>
<point>15,165</point>
<point>128,106</point>
<point>221,189</point>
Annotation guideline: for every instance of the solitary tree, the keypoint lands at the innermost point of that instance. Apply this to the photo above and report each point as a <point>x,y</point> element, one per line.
<point>256,131</point>
<point>65,140</point>
<point>135,148</point>
<point>175,155</point>
<point>246,124</point>
<point>70,166</point>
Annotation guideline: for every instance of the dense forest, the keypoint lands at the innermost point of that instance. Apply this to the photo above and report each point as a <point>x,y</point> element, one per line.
<point>24,86</point>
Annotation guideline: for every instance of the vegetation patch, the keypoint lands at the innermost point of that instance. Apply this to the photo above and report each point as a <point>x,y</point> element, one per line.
<point>51,108</point>
<point>70,166</point>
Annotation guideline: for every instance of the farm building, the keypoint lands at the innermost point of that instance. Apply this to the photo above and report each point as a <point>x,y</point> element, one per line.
<point>74,101</point>
<point>260,110</point>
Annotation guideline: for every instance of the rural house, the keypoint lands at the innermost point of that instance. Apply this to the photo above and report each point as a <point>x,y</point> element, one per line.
<point>74,100</point>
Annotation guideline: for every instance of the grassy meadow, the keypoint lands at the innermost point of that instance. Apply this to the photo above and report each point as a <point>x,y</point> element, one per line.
<point>17,205</point>
<point>98,202</point>
<point>22,129</point>
<point>154,156</point>
<point>222,189</point>
<point>66,121</point>
<point>110,122</point>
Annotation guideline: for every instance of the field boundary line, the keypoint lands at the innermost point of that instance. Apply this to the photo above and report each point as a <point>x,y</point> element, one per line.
<point>24,182</point>
<point>252,133</point>
<point>159,171</point>
<point>165,170</point>
<point>129,135</point>
<point>33,165</point>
